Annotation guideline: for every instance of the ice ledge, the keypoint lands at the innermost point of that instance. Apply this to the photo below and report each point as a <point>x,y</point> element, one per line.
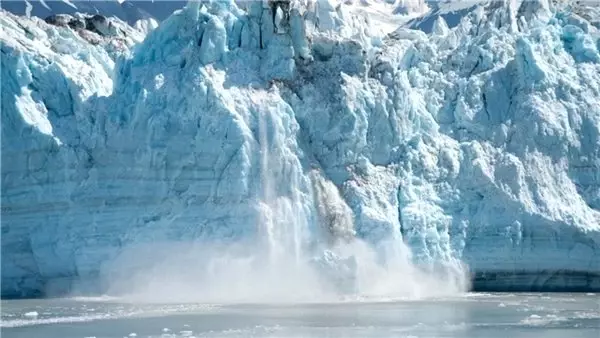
<point>536,281</point>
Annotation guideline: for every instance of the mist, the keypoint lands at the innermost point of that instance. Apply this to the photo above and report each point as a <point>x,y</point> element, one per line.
<point>176,272</point>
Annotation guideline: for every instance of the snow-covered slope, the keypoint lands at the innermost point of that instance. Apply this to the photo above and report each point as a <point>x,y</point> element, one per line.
<point>128,11</point>
<point>385,15</point>
<point>300,129</point>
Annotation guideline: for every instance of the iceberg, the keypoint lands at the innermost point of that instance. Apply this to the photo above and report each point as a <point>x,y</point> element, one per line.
<point>316,141</point>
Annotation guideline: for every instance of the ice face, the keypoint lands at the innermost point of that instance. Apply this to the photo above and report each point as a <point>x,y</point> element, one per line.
<point>299,129</point>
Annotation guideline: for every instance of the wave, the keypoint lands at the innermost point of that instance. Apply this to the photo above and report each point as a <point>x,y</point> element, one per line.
<point>55,320</point>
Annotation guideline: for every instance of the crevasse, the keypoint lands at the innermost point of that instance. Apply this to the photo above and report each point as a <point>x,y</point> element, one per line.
<point>297,129</point>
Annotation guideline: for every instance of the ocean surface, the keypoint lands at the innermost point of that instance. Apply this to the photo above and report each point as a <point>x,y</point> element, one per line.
<point>472,315</point>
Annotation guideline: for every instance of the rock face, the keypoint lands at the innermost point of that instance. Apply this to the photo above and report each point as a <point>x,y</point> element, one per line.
<point>478,143</point>
<point>97,24</point>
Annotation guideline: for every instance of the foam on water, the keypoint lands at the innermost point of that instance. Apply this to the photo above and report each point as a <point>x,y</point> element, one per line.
<point>58,320</point>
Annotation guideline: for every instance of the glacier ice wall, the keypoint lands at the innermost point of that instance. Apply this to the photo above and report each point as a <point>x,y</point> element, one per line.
<point>48,73</point>
<point>478,143</point>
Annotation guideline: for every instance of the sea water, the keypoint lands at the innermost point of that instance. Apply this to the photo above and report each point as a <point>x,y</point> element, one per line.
<point>486,315</point>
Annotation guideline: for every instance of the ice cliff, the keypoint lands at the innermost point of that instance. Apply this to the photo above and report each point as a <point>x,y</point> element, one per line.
<point>297,125</point>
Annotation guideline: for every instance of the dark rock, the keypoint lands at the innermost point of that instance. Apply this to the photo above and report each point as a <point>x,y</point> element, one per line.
<point>100,19</point>
<point>100,24</point>
<point>58,20</point>
<point>77,24</point>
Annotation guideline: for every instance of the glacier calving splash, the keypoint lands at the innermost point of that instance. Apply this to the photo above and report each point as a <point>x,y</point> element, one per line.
<point>293,132</point>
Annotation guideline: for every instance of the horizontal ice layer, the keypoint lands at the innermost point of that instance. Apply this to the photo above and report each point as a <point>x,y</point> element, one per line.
<point>478,142</point>
<point>48,73</point>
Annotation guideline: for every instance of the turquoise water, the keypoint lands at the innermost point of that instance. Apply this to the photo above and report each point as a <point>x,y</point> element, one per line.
<point>472,315</point>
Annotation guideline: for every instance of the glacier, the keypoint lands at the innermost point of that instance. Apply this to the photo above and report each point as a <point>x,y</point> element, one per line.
<point>301,129</point>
